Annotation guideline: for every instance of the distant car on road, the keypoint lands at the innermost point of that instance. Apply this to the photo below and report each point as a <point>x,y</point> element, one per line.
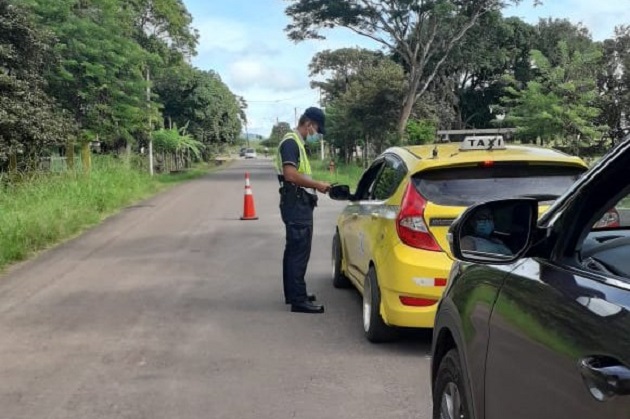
<point>544,331</point>
<point>241,152</point>
<point>250,153</point>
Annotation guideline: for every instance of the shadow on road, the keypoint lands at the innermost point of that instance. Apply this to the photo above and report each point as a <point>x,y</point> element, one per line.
<point>411,342</point>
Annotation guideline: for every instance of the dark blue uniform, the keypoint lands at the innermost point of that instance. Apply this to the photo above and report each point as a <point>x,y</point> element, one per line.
<point>296,208</point>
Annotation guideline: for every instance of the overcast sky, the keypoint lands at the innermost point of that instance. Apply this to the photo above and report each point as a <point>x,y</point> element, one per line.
<point>244,41</point>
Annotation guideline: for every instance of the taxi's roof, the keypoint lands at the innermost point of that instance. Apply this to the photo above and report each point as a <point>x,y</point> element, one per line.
<point>450,154</point>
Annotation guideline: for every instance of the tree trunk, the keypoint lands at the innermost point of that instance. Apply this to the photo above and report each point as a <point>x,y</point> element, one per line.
<point>409,102</point>
<point>13,163</point>
<point>128,153</point>
<point>70,155</point>
<point>86,157</point>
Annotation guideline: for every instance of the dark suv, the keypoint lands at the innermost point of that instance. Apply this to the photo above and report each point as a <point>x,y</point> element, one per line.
<point>535,320</point>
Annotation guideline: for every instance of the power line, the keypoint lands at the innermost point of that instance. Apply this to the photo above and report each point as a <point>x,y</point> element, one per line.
<point>277,100</point>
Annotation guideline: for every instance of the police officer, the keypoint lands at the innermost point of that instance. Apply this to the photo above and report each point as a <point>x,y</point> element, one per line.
<point>298,198</point>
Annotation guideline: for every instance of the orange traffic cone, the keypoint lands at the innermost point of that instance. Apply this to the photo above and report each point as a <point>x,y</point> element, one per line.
<point>249,210</point>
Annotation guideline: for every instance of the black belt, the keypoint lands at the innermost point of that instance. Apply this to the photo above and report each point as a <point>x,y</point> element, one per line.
<point>293,193</point>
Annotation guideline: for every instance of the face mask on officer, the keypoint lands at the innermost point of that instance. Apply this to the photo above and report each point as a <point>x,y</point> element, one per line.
<point>312,137</point>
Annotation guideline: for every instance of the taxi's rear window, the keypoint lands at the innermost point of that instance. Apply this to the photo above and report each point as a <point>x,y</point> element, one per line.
<point>465,186</point>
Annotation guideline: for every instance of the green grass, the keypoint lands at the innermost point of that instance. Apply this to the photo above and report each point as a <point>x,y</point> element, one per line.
<point>344,174</point>
<point>49,208</point>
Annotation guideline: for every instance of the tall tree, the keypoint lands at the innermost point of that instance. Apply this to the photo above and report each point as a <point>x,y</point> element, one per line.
<point>99,77</point>
<point>365,112</point>
<point>163,25</point>
<point>278,131</point>
<point>475,69</point>
<point>559,104</point>
<point>614,83</point>
<point>549,33</point>
<point>201,101</point>
<point>30,120</point>
<point>372,98</point>
<point>422,33</point>
<point>341,67</point>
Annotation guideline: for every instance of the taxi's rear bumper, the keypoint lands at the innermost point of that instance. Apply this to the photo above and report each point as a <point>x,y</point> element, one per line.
<point>419,277</point>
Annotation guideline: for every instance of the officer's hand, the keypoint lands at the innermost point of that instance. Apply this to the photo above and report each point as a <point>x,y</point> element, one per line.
<point>323,187</point>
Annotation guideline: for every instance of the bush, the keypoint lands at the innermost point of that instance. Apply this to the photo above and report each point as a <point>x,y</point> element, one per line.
<point>421,131</point>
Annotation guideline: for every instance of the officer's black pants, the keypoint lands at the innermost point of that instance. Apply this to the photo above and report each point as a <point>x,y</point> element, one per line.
<point>297,216</point>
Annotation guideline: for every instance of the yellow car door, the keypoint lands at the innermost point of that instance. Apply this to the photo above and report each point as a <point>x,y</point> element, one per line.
<point>377,218</point>
<point>353,233</point>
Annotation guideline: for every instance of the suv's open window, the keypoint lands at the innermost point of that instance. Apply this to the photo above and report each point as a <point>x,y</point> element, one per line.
<point>606,246</point>
<point>465,186</point>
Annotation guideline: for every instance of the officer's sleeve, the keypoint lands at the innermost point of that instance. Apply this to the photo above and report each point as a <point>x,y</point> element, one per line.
<point>290,153</point>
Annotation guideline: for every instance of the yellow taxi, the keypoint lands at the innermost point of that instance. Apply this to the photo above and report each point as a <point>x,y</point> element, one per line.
<point>391,239</point>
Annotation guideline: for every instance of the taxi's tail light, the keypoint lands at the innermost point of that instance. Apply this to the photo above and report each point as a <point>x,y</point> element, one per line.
<point>410,223</point>
<point>610,220</point>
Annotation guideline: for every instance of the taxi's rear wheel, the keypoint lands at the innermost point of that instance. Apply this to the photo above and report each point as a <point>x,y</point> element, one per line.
<point>339,279</point>
<point>376,331</point>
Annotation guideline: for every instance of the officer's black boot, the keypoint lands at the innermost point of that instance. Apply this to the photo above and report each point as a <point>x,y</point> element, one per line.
<point>307,307</point>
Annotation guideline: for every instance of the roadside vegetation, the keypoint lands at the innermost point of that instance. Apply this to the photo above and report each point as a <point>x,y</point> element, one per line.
<point>346,174</point>
<point>45,209</point>
<point>86,88</point>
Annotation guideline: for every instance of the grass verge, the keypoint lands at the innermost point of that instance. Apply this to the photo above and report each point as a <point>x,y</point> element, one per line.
<point>49,208</point>
<point>344,174</point>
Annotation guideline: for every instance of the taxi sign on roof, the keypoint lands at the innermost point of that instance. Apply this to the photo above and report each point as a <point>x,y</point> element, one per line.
<point>483,142</point>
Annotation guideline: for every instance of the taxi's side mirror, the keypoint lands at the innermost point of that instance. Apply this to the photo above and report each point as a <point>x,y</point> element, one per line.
<point>340,193</point>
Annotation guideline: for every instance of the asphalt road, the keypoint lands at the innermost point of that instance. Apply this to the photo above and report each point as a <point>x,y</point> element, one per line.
<point>174,309</point>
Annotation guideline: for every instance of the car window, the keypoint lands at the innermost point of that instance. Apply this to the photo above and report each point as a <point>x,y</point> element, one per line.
<point>366,183</point>
<point>393,173</point>
<point>466,186</point>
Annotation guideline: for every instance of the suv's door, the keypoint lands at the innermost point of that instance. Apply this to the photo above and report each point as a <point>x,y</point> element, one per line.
<point>546,321</point>
<point>557,322</point>
<point>375,216</point>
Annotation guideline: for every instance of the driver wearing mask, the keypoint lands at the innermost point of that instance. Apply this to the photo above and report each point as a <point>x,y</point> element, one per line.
<point>481,239</point>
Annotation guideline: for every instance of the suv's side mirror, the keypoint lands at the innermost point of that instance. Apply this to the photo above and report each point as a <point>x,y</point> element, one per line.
<point>340,193</point>
<point>498,232</point>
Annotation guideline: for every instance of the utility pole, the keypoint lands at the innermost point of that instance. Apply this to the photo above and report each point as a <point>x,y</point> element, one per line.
<point>321,137</point>
<point>246,134</point>
<point>150,123</point>
<point>321,142</point>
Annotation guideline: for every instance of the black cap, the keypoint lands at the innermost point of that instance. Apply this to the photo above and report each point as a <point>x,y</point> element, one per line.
<point>317,115</point>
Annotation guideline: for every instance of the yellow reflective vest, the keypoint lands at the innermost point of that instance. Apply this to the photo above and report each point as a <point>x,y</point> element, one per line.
<point>304,166</point>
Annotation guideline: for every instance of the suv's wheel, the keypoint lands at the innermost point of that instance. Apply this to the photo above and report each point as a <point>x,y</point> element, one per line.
<point>376,330</point>
<point>339,279</point>
<point>449,397</point>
